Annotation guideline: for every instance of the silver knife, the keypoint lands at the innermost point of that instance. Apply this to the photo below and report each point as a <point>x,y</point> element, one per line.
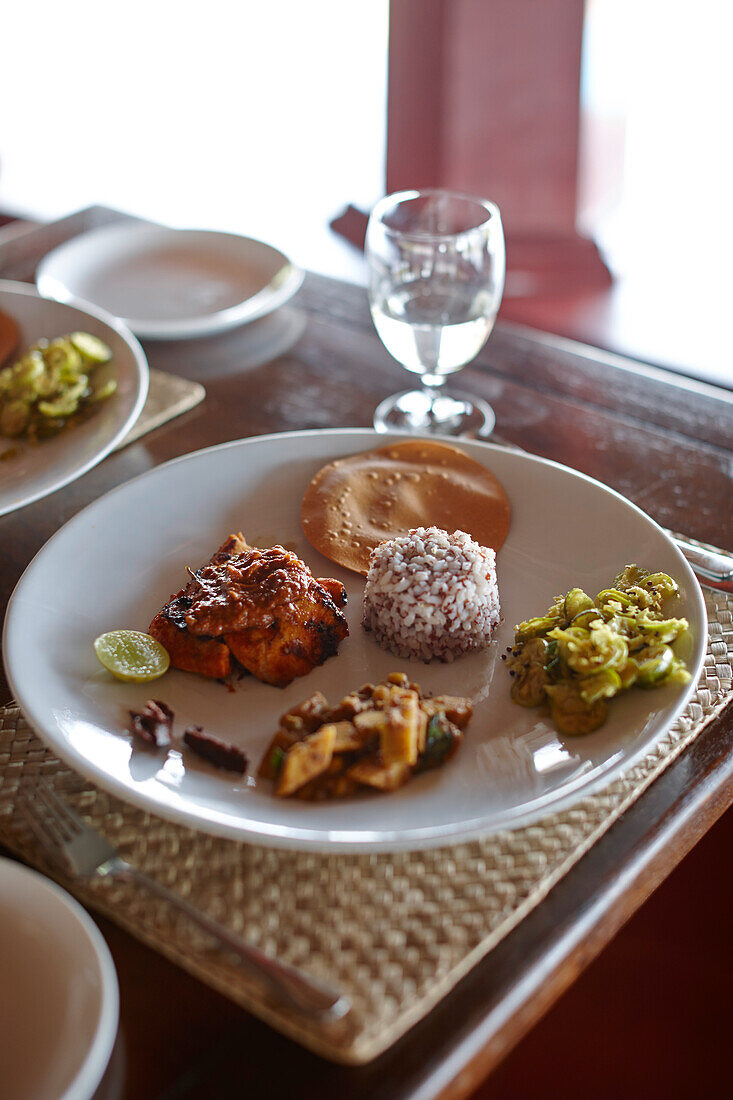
<point>712,566</point>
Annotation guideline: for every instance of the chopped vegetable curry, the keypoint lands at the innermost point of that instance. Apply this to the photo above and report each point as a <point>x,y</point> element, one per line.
<point>376,738</point>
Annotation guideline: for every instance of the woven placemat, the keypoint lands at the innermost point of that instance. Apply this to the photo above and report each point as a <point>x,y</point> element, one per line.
<point>395,931</point>
<point>168,396</point>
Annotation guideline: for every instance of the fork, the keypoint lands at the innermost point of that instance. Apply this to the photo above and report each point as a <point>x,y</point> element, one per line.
<point>76,848</point>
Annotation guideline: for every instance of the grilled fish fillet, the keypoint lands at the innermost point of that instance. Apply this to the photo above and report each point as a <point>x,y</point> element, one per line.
<point>264,607</point>
<point>207,656</point>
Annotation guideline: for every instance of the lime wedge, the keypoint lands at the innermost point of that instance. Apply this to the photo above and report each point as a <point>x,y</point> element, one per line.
<point>131,655</point>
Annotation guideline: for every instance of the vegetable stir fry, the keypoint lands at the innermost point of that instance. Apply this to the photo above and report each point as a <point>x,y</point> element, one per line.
<point>52,385</point>
<point>376,738</point>
<point>584,651</point>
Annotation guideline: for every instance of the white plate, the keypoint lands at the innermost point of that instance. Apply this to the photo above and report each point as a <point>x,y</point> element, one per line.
<point>566,530</point>
<point>59,998</point>
<point>36,470</point>
<point>171,284</point>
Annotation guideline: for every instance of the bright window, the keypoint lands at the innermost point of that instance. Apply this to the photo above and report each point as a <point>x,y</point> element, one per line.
<point>260,118</point>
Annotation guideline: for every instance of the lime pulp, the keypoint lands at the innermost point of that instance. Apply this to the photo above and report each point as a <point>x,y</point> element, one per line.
<point>131,655</point>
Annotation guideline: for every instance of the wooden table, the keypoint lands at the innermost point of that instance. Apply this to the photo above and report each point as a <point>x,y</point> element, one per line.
<point>665,443</point>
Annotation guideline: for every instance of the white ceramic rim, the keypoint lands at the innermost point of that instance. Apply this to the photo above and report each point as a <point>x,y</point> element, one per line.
<point>97,1058</point>
<point>143,381</point>
<point>339,840</point>
<point>250,309</point>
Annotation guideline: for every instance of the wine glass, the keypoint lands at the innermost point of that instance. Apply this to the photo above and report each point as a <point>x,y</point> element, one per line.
<point>436,276</point>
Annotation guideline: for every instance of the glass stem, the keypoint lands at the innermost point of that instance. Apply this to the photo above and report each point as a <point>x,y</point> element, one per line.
<point>432,384</point>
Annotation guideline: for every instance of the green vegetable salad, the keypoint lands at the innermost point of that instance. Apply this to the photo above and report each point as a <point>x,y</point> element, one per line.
<point>584,651</point>
<point>52,385</point>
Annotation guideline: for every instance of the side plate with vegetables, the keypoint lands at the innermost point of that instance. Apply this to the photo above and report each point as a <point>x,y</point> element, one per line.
<point>69,394</point>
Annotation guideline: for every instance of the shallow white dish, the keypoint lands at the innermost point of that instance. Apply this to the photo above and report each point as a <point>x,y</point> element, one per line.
<point>35,470</point>
<point>171,284</point>
<point>59,999</point>
<point>566,530</point>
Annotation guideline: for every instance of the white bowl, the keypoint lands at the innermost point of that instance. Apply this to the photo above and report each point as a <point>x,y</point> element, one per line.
<point>59,999</point>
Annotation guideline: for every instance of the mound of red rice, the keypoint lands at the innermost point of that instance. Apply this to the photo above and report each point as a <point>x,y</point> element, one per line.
<point>431,595</point>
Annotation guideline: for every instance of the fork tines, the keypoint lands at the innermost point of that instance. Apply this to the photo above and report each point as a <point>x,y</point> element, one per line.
<point>50,820</point>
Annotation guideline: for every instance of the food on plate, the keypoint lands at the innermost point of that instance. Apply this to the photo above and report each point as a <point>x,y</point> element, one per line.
<point>583,651</point>
<point>376,738</point>
<point>355,503</point>
<point>431,595</point>
<point>9,336</point>
<point>153,724</point>
<point>132,655</point>
<point>220,753</point>
<point>53,385</point>
<point>261,609</point>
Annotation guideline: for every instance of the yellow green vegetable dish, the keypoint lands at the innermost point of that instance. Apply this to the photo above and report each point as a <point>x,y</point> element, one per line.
<point>584,650</point>
<point>53,385</point>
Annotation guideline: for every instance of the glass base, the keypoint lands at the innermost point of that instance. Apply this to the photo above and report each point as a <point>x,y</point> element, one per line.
<point>436,412</point>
